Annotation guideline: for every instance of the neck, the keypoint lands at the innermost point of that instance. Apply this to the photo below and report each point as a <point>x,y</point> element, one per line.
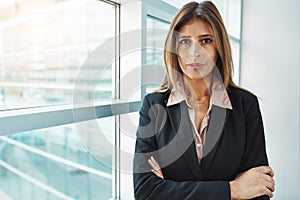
<point>197,89</point>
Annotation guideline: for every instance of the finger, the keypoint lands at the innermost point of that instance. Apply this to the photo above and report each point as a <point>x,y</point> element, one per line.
<point>268,178</point>
<point>268,170</point>
<point>268,182</point>
<point>269,185</point>
<point>271,173</point>
<point>155,162</point>
<point>269,193</point>
<point>159,174</point>
<point>152,165</point>
<point>155,172</point>
<point>265,191</point>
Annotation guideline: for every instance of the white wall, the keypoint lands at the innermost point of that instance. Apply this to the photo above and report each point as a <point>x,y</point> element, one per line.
<point>131,22</point>
<point>270,68</point>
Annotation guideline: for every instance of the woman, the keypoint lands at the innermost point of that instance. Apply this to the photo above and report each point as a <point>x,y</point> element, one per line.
<point>200,136</point>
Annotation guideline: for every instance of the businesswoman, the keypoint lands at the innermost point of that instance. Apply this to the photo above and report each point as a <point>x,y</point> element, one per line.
<point>200,136</point>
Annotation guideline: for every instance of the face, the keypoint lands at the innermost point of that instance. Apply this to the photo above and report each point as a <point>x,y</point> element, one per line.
<point>197,53</point>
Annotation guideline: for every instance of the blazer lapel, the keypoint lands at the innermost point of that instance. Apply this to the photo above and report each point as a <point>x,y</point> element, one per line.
<point>217,121</point>
<point>181,125</point>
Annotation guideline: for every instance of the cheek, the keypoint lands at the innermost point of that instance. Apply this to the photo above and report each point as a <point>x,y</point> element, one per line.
<point>183,55</point>
<point>181,62</point>
<point>213,54</point>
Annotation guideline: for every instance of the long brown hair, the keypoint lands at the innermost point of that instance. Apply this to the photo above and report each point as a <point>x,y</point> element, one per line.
<point>207,12</point>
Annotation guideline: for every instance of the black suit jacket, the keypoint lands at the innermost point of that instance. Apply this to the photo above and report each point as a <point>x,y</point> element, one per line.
<point>234,143</point>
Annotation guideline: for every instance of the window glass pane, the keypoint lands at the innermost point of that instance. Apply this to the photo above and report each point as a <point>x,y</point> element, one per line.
<point>234,17</point>
<point>153,72</point>
<point>44,44</point>
<point>56,163</point>
<point>231,14</point>
<point>221,5</point>
<point>176,3</point>
<point>229,9</point>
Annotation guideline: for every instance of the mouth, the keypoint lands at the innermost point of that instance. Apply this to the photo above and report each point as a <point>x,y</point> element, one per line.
<point>196,65</point>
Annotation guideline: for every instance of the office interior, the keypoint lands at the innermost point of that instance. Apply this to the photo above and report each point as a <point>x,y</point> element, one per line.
<point>73,74</point>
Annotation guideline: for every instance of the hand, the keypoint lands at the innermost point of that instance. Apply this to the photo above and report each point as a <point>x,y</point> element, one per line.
<point>155,167</point>
<point>255,182</point>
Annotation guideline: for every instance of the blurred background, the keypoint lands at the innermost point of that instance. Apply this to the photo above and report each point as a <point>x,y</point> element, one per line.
<point>57,53</point>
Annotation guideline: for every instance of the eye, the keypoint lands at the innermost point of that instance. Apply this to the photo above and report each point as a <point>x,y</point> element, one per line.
<point>206,41</point>
<point>184,41</point>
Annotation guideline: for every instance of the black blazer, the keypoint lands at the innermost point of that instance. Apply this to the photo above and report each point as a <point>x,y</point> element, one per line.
<point>234,143</point>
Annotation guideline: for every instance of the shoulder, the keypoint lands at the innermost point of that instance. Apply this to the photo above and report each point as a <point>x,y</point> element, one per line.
<point>237,93</point>
<point>242,99</point>
<point>154,101</point>
<point>157,97</point>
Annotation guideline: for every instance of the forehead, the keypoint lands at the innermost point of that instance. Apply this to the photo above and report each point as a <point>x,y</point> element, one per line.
<point>196,27</point>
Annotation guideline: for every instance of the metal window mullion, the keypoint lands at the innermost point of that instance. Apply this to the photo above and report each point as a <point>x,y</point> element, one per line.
<point>30,119</point>
<point>117,172</point>
<point>116,167</point>
<point>299,103</point>
<point>110,2</point>
<point>158,19</point>
<point>117,91</point>
<point>143,50</point>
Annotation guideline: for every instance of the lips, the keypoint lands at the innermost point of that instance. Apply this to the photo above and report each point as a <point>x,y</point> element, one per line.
<point>196,65</point>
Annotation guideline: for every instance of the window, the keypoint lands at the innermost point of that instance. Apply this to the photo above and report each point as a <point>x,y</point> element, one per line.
<point>155,67</point>
<point>231,11</point>
<point>52,163</point>
<point>157,16</point>
<point>44,45</point>
<point>177,4</point>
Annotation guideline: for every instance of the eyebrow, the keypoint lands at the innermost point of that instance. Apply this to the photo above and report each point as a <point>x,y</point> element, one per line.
<point>199,36</point>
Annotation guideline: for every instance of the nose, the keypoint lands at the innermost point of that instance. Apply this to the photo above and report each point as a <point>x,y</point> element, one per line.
<point>196,55</point>
<point>194,51</point>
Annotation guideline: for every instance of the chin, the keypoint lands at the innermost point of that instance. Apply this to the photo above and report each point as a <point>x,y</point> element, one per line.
<point>194,74</point>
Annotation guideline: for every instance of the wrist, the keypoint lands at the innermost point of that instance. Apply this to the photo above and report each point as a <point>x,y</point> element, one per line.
<point>233,190</point>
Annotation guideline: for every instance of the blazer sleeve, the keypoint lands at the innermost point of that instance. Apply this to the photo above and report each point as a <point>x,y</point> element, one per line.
<point>255,150</point>
<point>149,186</point>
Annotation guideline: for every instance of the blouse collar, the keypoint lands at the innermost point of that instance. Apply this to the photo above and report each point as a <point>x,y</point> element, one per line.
<point>218,97</point>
